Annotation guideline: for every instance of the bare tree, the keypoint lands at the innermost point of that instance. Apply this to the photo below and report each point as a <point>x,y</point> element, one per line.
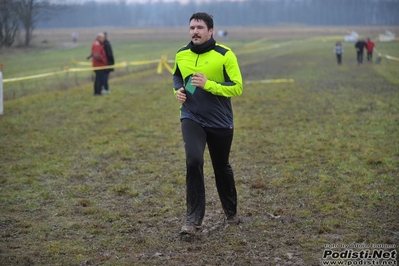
<point>32,11</point>
<point>9,22</point>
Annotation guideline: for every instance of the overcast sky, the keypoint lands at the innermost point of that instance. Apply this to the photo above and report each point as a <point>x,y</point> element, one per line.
<point>153,1</point>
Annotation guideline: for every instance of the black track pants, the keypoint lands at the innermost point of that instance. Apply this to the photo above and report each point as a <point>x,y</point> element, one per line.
<point>219,142</point>
<point>339,58</point>
<point>99,81</point>
<point>369,56</point>
<point>360,57</point>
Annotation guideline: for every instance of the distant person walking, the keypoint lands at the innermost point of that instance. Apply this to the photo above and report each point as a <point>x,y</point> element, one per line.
<point>339,50</point>
<point>110,60</point>
<point>360,45</point>
<point>370,47</point>
<point>99,59</point>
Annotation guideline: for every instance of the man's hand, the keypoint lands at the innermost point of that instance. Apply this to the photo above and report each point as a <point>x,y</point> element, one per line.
<point>199,80</point>
<point>181,95</point>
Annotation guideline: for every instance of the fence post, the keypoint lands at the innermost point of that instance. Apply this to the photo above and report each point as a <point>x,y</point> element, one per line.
<point>1,92</point>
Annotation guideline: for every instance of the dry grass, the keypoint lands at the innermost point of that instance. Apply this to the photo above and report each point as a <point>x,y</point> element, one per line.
<point>235,33</point>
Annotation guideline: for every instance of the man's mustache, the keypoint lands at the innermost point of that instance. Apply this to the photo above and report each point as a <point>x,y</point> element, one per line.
<point>196,36</point>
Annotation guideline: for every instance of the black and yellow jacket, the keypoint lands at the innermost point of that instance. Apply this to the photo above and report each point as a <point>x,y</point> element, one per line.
<point>211,106</point>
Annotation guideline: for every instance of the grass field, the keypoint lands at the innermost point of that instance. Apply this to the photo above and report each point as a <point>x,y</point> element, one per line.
<point>101,180</point>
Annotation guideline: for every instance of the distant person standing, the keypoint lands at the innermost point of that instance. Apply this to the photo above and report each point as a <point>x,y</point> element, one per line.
<point>339,50</point>
<point>360,45</point>
<point>99,59</point>
<point>223,34</point>
<point>110,60</point>
<point>75,36</point>
<point>370,47</point>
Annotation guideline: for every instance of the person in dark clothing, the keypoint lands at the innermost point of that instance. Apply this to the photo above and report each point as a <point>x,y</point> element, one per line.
<point>111,61</point>
<point>360,45</point>
<point>206,75</point>
<point>99,59</point>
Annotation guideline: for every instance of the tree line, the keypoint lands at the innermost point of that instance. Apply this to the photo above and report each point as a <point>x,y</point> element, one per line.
<point>16,15</point>
<point>24,14</point>
<point>236,13</point>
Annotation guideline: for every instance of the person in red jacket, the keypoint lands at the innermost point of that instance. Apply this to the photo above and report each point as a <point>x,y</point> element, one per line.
<point>99,59</point>
<point>370,47</point>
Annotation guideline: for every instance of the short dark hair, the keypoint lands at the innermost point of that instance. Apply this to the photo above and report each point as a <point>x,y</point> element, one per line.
<point>208,19</point>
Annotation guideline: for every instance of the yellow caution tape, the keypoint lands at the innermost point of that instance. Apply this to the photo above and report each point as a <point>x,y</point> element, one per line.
<point>166,65</point>
<point>387,56</point>
<point>34,76</point>
<point>74,61</point>
<point>273,46</point>
<point>135,63</point>
<point>159,68</point>
<point>255,42</point>
<point>169,68</point>
<point>119,65</point>
<point>391,57</point>
<point>269,81</point>
<point>163,62</point>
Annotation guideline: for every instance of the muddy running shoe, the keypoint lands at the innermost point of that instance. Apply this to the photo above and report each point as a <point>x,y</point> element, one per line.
<point>232,220</point>
<point>188,230</point>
